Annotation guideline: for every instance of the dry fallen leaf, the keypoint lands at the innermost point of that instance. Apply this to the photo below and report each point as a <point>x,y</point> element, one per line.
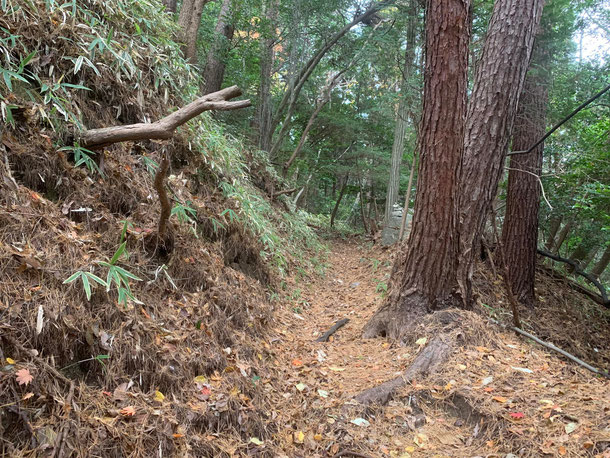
<point>24,377</point>
<point>299,437</point>
<point>10,360</point>
<point>27,396</point>
<point>159,397</point>
<point>128,411</point>
<point>501,399</point>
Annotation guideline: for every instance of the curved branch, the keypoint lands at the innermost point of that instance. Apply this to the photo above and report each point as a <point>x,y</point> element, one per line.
<point>164,128</point>
<point>589,277</point>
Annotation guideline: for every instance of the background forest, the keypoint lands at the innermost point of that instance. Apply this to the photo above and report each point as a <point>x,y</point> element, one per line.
<point>337,102</point>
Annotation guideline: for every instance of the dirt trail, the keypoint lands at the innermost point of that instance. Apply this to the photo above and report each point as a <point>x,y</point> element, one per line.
<point>506,397</point>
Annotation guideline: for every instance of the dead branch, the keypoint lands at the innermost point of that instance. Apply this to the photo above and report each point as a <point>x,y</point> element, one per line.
<point>563,352</point>
<point>339,324</point>
<point>560,123</point>
<point>285,191</point>
<point>164,128</point>
<point>602,291</point>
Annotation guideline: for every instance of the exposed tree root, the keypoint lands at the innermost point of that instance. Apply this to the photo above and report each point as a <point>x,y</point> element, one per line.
<point>429,359</point>
<point>395,320</point>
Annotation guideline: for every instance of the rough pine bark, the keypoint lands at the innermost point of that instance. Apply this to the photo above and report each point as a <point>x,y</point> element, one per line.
<point>423,278</point>
<point>498,81</point>
<point>520,229</point>
<point>214,70</point>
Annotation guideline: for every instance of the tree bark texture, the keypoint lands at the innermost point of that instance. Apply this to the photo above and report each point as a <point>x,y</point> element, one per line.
<point>170,5</point>
<point>498,82</point>
<point>402,115</point>
<point>214,70</point>
<point>601,265</point>
<point>423,278</point>
<point>264,110</point>
<point>190,19</point>
<point>520,229</point>
<point>164,128</point>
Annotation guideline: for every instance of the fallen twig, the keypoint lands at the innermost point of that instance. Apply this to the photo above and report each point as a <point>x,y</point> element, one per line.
<point>557,349</point>
<point>339,324</point>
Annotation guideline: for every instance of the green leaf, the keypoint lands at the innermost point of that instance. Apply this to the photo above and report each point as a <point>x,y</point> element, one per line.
<point>95,278</point>
<point>118,253</point>
<point>87,286</point>
<point>72,277</point>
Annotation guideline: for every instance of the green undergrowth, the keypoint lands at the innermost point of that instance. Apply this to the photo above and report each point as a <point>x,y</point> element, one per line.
<point>125,54</point>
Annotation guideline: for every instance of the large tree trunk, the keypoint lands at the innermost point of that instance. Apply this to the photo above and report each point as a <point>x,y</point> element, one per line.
<point>264,110</point>
<point>214,70</point>
<point>498,81</point>
<point>440,255</point>
<point>402,115</point>
<point>520,230</point>
<point>190,19</point>
<point>423,278</point>
<point>601,265</point>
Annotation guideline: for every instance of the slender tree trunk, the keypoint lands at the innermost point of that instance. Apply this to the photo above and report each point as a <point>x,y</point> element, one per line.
<point>190,19</point>
<point>423,278</point>
<point>554,226</point>
<point>333,215</point>
<point>324,99</point>
<point>264,109</point>
<point>402,116</point>
<point>170,5</point>
<point>589,258</point>
<point>602,264</point>
<point>404,223</point>
<point>498,82</point>
<point>214,70</point>
<point>561,237</point>
<point>520,229</point>
<point>577,256</point>
<point>287,105</point>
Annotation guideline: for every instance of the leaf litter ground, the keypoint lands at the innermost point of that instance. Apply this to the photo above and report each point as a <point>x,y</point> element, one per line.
<point>499,396</point>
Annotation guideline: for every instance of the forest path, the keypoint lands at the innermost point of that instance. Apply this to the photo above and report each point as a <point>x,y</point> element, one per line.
<point>506,381</point>
<point>352,287</point>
